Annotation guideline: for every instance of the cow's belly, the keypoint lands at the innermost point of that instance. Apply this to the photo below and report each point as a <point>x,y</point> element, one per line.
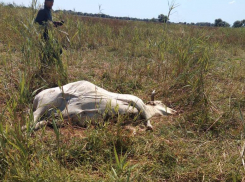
<point>89,109</point>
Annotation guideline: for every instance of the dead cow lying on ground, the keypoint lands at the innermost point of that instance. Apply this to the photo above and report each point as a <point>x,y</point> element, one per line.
<point>83,100</point>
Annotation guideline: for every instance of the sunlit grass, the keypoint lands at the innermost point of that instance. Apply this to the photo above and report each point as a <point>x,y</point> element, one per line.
<point>198,71</point>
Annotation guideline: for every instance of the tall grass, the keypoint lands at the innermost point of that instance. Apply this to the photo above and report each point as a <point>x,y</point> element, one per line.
<point>198,71</point>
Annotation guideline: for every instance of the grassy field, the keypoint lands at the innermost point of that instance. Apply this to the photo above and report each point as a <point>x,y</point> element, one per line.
<point>198,71</point>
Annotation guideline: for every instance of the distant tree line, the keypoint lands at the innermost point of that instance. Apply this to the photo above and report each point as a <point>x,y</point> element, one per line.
<point>161,18</point>
<point>101,15</point>
<point>238,24</point>
<point>220,23</point>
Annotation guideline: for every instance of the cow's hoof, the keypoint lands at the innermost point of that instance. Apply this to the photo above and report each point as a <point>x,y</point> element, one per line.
<point>149,128</point>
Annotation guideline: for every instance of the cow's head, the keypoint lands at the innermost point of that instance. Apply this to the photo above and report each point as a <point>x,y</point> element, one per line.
<point>158,108</point>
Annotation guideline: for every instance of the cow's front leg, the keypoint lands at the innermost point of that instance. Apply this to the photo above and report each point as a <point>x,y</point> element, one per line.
<point>40,125</point>
<point>148,125</point>
<point>37,125</point>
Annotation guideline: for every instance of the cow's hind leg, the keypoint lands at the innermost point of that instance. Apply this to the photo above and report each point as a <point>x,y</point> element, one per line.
<point>36,115</point>
<point>36,125</point>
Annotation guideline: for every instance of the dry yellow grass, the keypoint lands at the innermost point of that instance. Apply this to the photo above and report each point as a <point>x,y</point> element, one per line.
<point>198,71</point>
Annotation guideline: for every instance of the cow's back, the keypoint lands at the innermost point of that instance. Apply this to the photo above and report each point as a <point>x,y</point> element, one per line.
<point>81,88</point>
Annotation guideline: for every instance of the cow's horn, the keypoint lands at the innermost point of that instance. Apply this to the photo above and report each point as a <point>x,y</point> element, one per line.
<point>153,95</point>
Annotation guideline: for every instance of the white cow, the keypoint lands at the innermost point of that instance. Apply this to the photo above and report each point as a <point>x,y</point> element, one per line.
<point>83,100</point>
